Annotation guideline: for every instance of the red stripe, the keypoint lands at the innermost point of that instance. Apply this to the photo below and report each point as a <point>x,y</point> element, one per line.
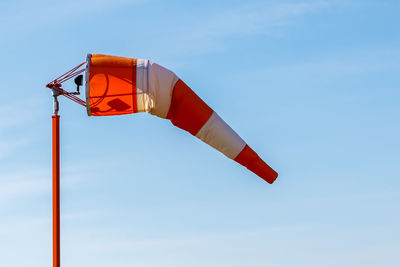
<point>248,158</point>
<point>187,110</point>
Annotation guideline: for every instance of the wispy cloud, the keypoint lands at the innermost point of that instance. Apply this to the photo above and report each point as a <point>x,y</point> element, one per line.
<point>11,145</point>
<point>207,32</point>
<point>349,62</point>
<point>256,17</point>
<point>18,112</point>
<point>33,181</point>
<point>42,13</point>
<point>236,248</point>
<point>24,184</point>
<point>14,117</point>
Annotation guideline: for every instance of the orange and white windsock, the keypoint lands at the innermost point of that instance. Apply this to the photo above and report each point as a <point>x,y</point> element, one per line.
<point>118,85</point>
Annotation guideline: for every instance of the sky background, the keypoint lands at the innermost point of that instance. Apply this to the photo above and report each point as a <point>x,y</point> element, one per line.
<point>312,86</point>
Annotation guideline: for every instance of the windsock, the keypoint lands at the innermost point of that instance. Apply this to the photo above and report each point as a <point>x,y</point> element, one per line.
<point>119,85</point>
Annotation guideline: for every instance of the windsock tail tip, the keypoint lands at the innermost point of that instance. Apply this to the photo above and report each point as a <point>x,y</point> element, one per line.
<point>271,176</point>
<point>248,158</point>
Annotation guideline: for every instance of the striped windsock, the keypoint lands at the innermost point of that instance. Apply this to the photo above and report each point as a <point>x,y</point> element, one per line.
<point>117,85</point>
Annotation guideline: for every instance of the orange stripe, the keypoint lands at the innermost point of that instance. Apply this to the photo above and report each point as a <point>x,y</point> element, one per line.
<point>187,110</point>
<point>248,158</point>
<point>112,83</point>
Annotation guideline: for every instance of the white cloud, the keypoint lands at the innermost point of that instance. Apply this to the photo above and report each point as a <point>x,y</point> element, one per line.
<point>24,184</point>
<point>18,112</point>
<point>14,118</point>
<point>29,15</point>
<point>11,145</point>
<point>207,32</point>
<point>360,60</point>
<point>256,18</point>
<point>307,244</point>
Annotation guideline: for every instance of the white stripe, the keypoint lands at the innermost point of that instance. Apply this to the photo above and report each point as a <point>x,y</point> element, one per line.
<point>143,101</point>
<point>154,87</point>
<point>161,86</point>
<point>220,136</point>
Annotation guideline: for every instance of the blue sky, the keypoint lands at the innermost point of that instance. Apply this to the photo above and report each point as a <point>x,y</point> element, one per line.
<point>312,86</point>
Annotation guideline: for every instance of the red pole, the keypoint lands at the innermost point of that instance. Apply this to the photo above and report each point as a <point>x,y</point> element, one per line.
<point>56,190</point>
